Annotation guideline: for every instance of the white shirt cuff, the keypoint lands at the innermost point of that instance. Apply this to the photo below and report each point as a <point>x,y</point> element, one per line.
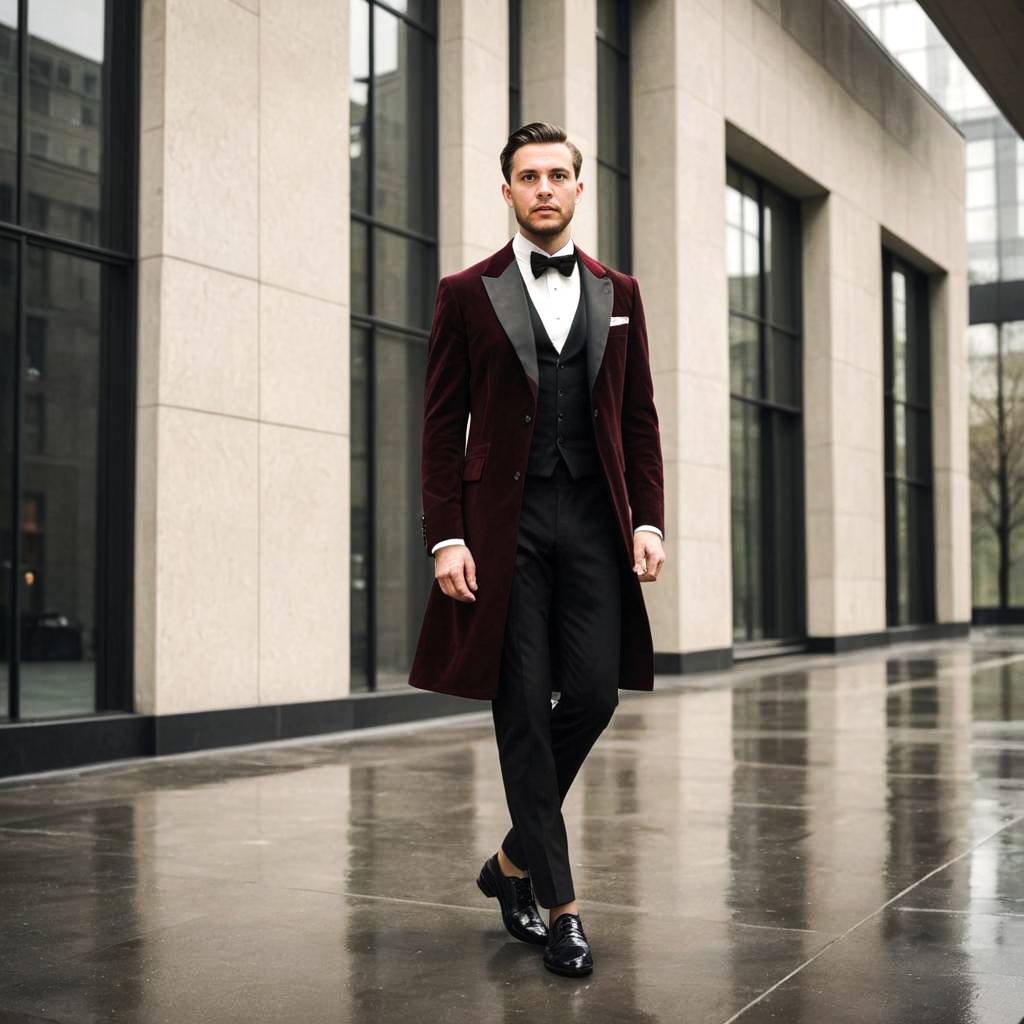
<point>651,529</point>
<point>446,544</point>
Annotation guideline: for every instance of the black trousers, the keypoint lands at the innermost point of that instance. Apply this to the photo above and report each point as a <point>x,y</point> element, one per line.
<point>562,633</point>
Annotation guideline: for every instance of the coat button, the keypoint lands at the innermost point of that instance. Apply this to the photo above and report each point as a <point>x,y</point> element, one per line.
<point>515,475</point>
<point>528,417</point>
<point>595,414</point>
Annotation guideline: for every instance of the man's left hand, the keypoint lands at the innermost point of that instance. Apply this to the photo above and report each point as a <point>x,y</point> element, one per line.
<point>648,555</point>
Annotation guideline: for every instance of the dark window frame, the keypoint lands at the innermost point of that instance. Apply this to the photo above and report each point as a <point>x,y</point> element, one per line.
<point>515,65</point>
<point>921,594</point>
<point>115,484</point>
<point>770,430</point>
<point>618,50</point>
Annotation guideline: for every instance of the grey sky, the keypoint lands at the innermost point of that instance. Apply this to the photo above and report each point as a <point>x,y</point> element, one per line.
<point>77,25</point>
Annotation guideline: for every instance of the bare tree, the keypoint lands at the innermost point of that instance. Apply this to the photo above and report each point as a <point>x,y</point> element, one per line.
<point>997,447</point>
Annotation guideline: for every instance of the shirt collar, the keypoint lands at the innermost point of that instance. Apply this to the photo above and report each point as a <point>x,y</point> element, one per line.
<point>522,247</point>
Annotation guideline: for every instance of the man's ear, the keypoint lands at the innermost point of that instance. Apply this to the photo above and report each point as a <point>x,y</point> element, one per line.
<point>579,191</point>
<point>506,194</point>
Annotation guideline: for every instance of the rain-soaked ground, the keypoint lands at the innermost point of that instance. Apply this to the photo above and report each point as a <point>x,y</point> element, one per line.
<point>815,839</point>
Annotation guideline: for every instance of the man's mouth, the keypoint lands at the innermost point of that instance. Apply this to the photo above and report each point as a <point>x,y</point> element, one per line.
<point>544,209</point>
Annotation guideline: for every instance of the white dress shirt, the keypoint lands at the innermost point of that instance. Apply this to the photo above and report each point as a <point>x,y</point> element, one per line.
<point>555,298</point>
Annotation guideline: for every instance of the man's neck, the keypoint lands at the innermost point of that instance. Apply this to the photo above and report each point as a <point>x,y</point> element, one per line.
<point>549,243</point>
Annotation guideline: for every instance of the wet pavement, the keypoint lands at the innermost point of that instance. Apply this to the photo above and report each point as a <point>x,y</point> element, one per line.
<point>815,839</point>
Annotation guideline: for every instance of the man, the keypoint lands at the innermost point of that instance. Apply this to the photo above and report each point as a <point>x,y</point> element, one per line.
<point>540,451</point>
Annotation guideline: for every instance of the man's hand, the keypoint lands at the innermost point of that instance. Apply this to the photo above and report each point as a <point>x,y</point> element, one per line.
<point>648,555</point>
<point>455,571</point>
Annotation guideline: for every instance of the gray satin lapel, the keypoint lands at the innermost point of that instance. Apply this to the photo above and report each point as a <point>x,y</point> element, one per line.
<point>597,293</point>
<point>509,301</point>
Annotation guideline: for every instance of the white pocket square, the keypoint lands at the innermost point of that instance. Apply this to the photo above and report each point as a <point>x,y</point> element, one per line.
<point>616,320</point>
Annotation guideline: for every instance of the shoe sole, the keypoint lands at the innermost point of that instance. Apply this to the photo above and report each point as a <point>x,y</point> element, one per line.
<point>484,885</point>
<point>568,973</point>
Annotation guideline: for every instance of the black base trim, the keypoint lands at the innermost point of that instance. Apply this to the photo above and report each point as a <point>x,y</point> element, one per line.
<point>50,745</point>
<point>671,663</point>
<point>1012,616</point>
<point>887,638</point>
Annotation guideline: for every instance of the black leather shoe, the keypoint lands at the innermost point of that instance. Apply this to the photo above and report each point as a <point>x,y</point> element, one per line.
<point>519,911</point>
<point>568,951</point>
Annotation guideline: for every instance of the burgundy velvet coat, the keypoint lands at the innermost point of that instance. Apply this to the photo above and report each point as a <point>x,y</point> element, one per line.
<point>482,364</point>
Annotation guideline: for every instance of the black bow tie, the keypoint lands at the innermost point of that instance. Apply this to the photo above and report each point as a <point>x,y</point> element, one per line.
<point>563,264</point>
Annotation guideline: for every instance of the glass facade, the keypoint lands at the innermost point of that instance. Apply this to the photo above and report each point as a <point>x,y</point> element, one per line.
<point>909,528</point>
<point>67,239</point>
<point>994,193</point>
<point>763,246</point>
<point>393,152</point>
<point>996,353</point>
<point>995,153</point>
<point>614,217</point>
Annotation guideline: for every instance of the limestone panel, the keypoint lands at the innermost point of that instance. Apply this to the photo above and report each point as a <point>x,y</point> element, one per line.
<point>151,101</point>
<point>145,565</point>
<point>473,68</point>
<point>303,147</point>
<point>151,192</point>
<point>304,572</point>
<point>206,354</point>
<point>206,562</point>
<point>303,361</point>
<point>210,134</point>
<point>559,83</point>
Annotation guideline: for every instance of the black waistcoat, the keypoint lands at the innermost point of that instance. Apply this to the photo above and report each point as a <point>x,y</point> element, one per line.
<point>563,428</point>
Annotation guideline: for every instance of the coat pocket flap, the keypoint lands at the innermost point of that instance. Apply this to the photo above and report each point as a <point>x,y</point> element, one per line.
<point>476,456</point>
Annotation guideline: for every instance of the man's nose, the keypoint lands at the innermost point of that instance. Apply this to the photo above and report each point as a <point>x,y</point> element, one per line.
<point>545,186</point>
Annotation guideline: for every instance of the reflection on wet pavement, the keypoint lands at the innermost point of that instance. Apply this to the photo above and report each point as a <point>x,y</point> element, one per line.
<point>810,839</point>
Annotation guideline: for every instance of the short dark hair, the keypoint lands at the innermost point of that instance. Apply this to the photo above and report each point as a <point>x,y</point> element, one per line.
<point>537,131</point>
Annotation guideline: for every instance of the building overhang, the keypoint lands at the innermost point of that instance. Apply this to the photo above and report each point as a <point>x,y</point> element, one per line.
<point>988,36</point>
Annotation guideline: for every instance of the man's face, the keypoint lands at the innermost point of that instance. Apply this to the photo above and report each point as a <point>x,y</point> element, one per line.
<point>543,191</point>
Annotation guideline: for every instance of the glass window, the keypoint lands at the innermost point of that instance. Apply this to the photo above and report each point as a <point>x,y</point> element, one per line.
<point>981,226</point>
<point>404,183</point>
<point>400,367</point>
<point>996,420</point>
<point>980,153</point>
<point>66,384</point>
<point>763,246</point>
<point>981,187</point>
<point>393,152</point>
<point>58,520</point>
<point>908,445</point>
<point>57,131</point>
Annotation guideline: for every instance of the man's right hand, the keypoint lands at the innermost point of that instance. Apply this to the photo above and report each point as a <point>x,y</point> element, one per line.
<point>455,572</point>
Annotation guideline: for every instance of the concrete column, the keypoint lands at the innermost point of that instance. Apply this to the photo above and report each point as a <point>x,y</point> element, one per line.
<point>242,503</point>
<point>559,55</point>
<point>679,260</point>
<point>473,66</point>
<point>843,419</point>
<point>951,462</point>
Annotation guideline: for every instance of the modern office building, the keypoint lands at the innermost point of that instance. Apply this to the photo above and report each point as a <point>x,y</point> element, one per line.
<point>224,223</point>
<point>995,273</point>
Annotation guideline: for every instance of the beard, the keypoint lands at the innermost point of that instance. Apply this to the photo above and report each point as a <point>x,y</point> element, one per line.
<point>548,229</point>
